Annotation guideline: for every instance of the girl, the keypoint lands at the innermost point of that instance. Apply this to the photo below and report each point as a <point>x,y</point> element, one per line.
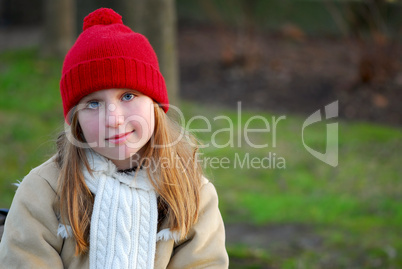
<point>124,189</point>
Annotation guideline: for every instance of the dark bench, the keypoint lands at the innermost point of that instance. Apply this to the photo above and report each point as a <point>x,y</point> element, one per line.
<point>3,215</point>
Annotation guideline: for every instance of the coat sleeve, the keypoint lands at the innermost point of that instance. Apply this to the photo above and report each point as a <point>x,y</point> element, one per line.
<point>205,243</point>
<point>30,234</point>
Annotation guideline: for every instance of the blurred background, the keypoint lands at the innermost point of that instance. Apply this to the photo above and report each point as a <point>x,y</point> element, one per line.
<point>278,58</point>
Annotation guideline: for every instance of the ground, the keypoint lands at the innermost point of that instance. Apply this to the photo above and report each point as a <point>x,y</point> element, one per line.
<point>290,74</point>
<point>286,75</point>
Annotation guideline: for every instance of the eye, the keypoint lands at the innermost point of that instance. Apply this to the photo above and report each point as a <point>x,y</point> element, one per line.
<point>93,104</point>
<point>128,97</point>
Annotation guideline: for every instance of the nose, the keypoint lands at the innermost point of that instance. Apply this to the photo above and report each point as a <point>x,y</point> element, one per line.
<point>114,116</point>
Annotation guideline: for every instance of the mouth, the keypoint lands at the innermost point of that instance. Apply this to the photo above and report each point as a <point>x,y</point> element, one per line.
<point>119,138</point>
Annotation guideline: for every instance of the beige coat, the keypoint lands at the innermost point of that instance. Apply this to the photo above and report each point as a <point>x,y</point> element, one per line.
<point>30,237</point>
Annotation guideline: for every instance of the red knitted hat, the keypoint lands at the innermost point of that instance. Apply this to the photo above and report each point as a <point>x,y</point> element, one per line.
<point>108,55</point>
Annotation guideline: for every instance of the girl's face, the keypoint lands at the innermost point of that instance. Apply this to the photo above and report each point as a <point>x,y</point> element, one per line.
<point>117,123</point>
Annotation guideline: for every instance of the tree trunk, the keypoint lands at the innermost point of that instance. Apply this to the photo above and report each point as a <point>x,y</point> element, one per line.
<point>59,27</point>
<point>156,19</point>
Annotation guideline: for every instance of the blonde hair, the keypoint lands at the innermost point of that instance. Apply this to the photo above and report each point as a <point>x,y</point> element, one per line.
<point>178,184</point>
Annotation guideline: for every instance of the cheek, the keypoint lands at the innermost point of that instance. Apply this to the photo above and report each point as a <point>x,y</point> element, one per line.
<point>90,129</point>
<point>143,120</point>
<point>144,125</point>
<point>150,121</point>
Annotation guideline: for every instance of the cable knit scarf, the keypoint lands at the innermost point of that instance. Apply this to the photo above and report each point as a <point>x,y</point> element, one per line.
<point>124,219</point>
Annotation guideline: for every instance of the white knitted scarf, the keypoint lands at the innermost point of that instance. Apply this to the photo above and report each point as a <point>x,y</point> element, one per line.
<point>124,219</point>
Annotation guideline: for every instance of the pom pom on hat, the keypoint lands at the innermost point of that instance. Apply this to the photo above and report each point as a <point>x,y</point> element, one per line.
<point>102,16</point>
<point>108,55</point>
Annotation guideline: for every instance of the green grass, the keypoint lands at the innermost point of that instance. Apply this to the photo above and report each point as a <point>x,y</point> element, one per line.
<point>355,207</point>
<point>30,114</point>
